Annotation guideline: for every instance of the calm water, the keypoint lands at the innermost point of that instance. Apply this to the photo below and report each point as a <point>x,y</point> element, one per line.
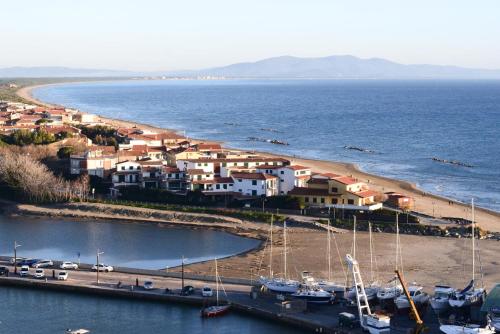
<point>42,312</point>
<point>404,122</point>
<point>143,246</point>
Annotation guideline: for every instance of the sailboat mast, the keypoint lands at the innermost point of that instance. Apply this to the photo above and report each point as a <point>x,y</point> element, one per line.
<point>473,244</point>
<point>271,253</point>
<point>371,251</point>
<point>329,252</point>
<point>284,249</point>
<point>354,238</point>
<point>216,282</point>
<point>397,240</point>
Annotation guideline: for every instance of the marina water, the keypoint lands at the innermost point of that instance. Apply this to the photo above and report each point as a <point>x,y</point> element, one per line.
<point>405,123</point>
<point>133,245</point>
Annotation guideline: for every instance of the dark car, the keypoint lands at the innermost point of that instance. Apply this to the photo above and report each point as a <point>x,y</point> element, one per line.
<point>4,271</point>
<point>187,290</point>
<point>28,262</point>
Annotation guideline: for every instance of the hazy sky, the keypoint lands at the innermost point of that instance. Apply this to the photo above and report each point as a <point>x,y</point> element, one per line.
<point>182,34</point>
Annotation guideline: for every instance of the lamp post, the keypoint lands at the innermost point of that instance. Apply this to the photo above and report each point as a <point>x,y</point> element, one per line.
<point>15,256</point>
<point>97,269</point>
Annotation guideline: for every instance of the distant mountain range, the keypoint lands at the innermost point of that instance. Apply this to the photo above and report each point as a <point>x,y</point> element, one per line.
<point>286,67</point>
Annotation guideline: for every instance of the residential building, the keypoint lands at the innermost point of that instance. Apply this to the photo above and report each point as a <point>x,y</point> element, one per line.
<point>98,161</point>
<point>255,184</point>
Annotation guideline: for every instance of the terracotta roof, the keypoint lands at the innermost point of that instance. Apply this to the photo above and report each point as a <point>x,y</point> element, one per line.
<point>297,167</point>
<point>107,149</point>
<point>214,181</point>
<point>150,163</point>
<point>238,160</point>
<point>168,169</point>
<point>346,180</point>
<point>328,175</point>
<point>365,193</point>
<point>252,176</point>
<point>208,147</point>
<point>317,181</point>
<point>303,191</point>
<point>268,167</point>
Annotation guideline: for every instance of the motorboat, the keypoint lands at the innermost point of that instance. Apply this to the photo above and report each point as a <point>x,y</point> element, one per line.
<point>467,297</point>
<point>418,296</point>
<point>309,280</point>
<point>390,293</point>
<point>312,295</point>
<point>440,300</point>
<point>466,329</point>
<point>77,331</point>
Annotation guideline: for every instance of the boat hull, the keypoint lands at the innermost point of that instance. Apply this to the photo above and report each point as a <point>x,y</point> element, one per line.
<point>214,311</point>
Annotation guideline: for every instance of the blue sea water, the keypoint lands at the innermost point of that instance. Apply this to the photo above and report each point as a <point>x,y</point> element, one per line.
<point>405,123</point>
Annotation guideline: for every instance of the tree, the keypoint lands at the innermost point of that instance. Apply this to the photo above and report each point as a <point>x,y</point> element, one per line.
<point>65,152</point>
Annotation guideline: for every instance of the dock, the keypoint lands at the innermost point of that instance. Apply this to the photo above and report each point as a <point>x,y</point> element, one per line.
<point>244,298</point>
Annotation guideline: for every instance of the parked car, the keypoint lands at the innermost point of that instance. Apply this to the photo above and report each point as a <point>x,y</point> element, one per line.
<point>148,285</point>
<point>63,275</point>
<point>207,292</point>
<point>4,271</point>
<point>39,273</point>
<point>68,265</point>
<point>43,264</point>
<point>187,290</point>
<point>29,262</point>
<point>102,267</point>
<point>25,271</point>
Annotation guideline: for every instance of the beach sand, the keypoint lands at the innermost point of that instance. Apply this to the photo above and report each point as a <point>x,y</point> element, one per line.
<point>425,203</point>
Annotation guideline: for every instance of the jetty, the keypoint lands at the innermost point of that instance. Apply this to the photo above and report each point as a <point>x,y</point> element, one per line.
<point>245,297</point>
<point>360,149</point>
<point>452,162</point>
<point>271,141</point>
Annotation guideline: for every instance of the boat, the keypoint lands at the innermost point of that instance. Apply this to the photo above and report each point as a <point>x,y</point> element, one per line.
<point>279,284</point>
<point>440,301</point>
<point>470,295</point>
<point>494,317</point>
<point>77,331</point>
<point>314,295</point>
<point>215,310</point>
<point>466,329</point>
<point>387,295</point>
<point>417,294</point>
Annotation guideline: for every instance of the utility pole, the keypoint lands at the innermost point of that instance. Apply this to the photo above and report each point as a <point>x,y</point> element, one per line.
<point>97,271</point>
<point>182,272</point>
<point>15,256</point>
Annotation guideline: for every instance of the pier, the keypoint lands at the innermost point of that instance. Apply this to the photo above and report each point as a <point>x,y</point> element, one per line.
<point>244,297</point>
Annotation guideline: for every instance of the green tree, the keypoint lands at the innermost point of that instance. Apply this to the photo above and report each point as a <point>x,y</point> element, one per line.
<point>65,152</point>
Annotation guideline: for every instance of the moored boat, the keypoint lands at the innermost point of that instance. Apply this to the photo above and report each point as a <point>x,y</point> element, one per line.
<point>312,295</point>
<point>466,329</point>
<point>440,300</point>
<point>417,294</point>
<point>214,311</point>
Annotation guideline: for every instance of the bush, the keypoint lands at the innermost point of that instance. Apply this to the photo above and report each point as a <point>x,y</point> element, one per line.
<point>65,152</point>
<point>25,137</point>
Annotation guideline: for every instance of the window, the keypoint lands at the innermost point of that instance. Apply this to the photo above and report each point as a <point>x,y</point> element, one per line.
<point>350,201</point>
<point>130,167</point>
<point>224,186</point>
<point>169,175</point>
<point>254,192</point>
<point>335,201</point>
<point>217,186</point>
<point>206,164</point>
<point>335,190</point>
<point>239,180</point>
<point>245,164</point>
<point>323,200</point>
<point>254,182</point>
<point>282,172</point>
<point>239,190</point>
<point>315,200</point>
<point>306,199</point>
<point>281,180</point>
<point>123,167</point>
<point>223,164</point>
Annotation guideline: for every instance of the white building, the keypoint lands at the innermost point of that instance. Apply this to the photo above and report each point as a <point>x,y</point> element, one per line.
<point>289,176</point>
<point>255,184</point>
<point>127,174</point>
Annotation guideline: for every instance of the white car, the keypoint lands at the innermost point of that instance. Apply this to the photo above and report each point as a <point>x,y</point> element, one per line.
<point>39,273</point>
<point>62,276</point>
<point>207,292</point>
<point>148,285</point>
<point>68,265</point>
<point>25,271</point>
<point>43,264</point>
<point>102,267</point>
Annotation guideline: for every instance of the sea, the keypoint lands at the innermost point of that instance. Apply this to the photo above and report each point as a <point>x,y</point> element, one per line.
<point>398,125</point>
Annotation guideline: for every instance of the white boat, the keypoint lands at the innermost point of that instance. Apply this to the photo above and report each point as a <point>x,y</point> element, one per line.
<point>470,295</point>
<point>467,329</point>
<point>387,294</point>
<point>371,293</point>
<point>310,281</point>
<point>418,296</point>
<point>77,331</point>
<point>314,295</point>
<point>440,300</point>
<point>279,284</point>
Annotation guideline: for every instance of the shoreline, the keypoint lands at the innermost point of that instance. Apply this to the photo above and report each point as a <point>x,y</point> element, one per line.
<point>426,203</point>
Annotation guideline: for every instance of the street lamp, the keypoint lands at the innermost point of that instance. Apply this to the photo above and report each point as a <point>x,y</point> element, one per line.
<point>97,269</point>
<point>15,256</point>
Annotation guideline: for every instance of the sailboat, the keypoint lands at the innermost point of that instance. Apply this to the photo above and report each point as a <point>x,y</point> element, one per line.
<point>327,285</point>
<point>281,284</point>
<point>470,295</point>
<point>215,310</point>
<point>371,289</point>
<point>440,300</point>
<point>389,293</point>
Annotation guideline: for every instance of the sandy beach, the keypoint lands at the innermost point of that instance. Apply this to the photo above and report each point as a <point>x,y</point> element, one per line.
<point>426,203</point>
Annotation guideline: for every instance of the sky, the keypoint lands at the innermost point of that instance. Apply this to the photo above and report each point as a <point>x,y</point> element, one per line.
<point>172,35</point>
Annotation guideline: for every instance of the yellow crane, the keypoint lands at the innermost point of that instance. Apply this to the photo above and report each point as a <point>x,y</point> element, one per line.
<point>419,324</point>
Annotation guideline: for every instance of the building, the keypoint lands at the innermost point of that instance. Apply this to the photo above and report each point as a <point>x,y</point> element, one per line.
<point>98,161</point>
<point>290,176</point>
<point>255,184</point>
<point>128,173</point>
<point>400,201</point>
